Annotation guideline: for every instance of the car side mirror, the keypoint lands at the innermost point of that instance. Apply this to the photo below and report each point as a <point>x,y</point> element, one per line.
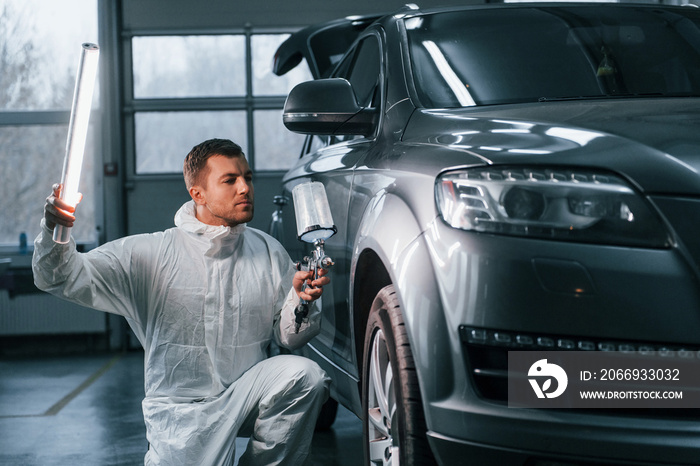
<point>327,106</point>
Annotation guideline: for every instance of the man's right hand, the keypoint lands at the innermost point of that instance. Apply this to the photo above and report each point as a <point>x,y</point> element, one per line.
<point>57,212</point>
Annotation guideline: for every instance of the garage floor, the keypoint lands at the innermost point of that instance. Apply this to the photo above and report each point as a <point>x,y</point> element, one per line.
<point>86,410</point>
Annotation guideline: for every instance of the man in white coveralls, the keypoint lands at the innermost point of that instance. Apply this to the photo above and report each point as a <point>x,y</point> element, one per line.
<point>205,299</point>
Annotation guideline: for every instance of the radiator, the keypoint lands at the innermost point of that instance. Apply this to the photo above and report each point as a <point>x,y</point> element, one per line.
<point>43,314</point>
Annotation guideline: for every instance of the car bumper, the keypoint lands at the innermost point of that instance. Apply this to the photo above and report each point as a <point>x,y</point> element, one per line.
<point>587,293</point>
<point>512,436</point>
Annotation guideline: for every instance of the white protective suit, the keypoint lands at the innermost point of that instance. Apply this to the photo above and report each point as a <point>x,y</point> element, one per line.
<point>205,302</point>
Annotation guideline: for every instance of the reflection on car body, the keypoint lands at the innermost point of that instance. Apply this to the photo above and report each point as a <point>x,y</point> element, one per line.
<point>503,177</point>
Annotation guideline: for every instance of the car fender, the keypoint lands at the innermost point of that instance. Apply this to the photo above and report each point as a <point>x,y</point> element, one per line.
<point>404,254</point>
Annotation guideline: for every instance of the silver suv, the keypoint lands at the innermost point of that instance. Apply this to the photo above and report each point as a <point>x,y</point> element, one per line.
<point>502,177</point>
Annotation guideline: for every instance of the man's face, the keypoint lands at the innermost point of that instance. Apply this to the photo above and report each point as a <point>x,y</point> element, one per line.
<point>225,196</point>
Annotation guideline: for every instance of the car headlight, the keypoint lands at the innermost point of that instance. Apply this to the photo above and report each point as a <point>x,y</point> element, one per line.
<point>560,204</point>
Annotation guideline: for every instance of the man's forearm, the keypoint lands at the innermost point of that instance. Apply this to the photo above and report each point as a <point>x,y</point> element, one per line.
<point>50,260</point>
<point>285,328</point>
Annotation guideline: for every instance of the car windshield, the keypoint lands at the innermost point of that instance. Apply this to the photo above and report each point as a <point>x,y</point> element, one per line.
<point>529,54</point>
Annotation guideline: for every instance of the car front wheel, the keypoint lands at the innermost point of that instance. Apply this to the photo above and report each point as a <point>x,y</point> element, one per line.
<point>393,422</point>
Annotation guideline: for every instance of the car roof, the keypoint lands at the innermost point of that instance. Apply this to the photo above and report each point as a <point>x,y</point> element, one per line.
<point>324,44</point>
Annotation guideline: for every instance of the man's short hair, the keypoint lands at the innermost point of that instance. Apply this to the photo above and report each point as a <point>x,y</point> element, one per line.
<point>196,160</point>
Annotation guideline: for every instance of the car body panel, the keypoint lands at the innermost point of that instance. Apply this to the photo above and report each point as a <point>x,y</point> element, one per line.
<point>336,162</point>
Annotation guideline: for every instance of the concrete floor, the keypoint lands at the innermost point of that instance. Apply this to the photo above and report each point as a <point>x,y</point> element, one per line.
<point>86,410</point>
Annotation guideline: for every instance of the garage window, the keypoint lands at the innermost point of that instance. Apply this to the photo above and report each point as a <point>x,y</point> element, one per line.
<point>189,66</point>
<point>38,63</point>
<point>188,88</point>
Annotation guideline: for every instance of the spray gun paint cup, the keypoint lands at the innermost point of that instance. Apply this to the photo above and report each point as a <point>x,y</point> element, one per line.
<point>313,214</point>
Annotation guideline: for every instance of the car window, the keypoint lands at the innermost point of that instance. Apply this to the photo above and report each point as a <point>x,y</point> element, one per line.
<point>463,59</point>
<point>362,69</point>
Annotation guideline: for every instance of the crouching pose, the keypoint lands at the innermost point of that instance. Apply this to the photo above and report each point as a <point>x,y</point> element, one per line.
<point>205,299</point>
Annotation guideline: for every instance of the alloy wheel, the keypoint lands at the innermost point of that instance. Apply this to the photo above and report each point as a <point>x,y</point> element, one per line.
<point>381,406</point>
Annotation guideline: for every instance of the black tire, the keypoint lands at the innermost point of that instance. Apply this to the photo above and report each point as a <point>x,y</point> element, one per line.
<point>393,420</point>
<point>327,416</point>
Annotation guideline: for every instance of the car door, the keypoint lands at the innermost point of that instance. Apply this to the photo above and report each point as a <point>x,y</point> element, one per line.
<point>334,164</point>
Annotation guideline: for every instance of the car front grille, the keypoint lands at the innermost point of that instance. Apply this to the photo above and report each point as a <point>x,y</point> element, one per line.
<point>486,359</point>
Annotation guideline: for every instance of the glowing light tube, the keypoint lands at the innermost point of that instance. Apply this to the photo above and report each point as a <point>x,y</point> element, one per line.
<point>77,132</point>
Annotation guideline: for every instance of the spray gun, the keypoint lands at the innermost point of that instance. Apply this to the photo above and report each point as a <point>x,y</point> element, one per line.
<point>314,225</point>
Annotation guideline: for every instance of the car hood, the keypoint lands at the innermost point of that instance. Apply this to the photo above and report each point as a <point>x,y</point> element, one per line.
<point>654,142</point>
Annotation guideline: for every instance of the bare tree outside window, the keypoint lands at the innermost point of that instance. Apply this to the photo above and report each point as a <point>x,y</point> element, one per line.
<point>33,77</point>
<point>189,66</point>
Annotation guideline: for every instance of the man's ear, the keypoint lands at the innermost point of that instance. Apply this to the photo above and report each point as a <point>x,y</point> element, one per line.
<point>197,195</point>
